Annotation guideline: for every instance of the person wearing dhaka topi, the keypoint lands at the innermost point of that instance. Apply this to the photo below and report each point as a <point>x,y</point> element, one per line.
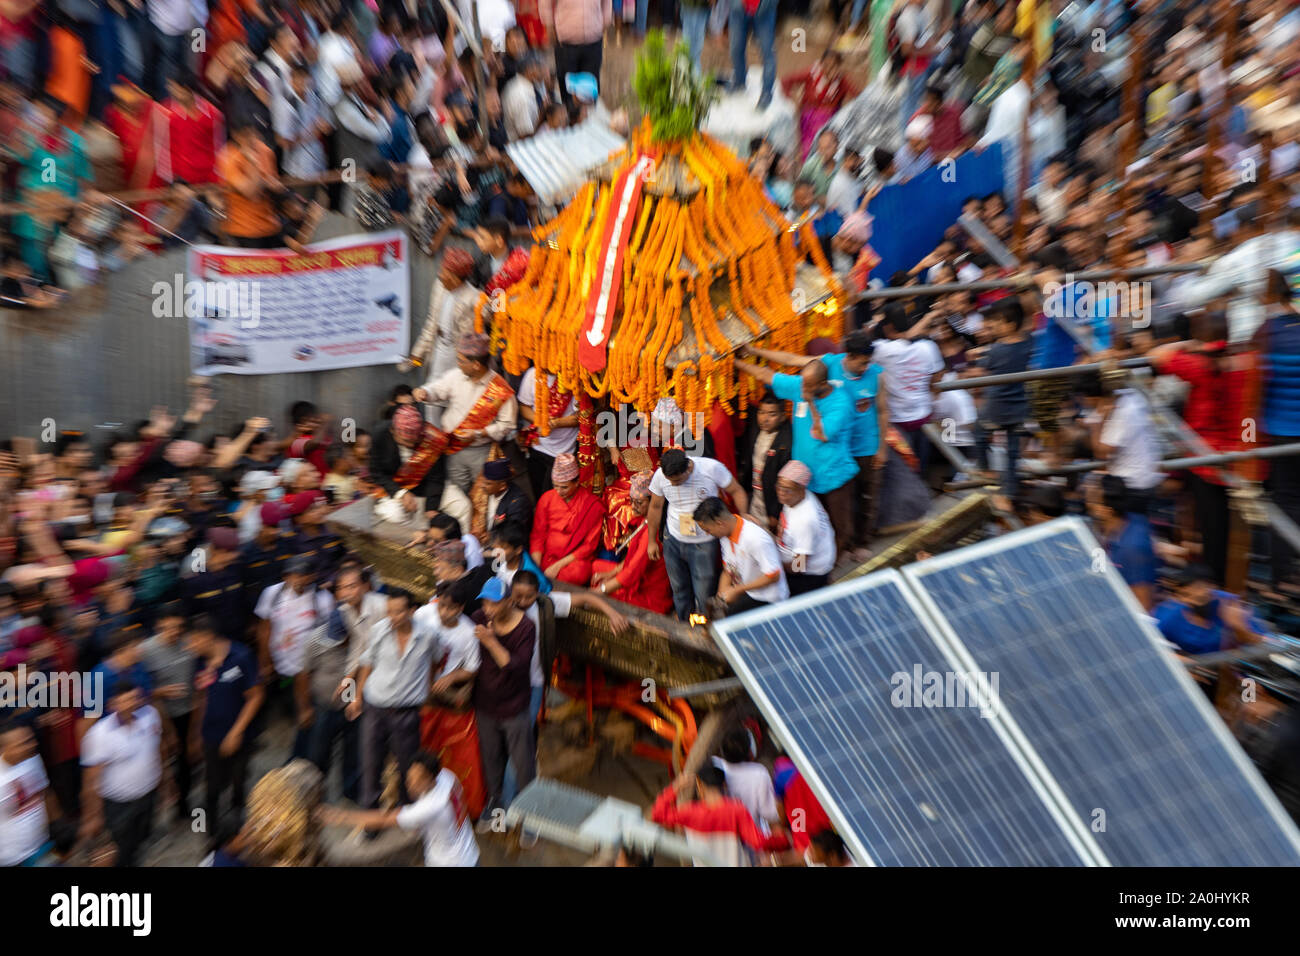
<point>632,576</point>
<point>806,539</point>
<point>451,317</point>
<point>567,526</point>
<point>405,471</point>
<point>478,409</point>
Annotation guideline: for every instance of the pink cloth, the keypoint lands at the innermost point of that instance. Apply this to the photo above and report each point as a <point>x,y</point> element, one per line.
<point>575,22</point>
<point>810,124</point>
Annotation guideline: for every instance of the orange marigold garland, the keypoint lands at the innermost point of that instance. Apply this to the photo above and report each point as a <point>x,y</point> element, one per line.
<point>683,241</point>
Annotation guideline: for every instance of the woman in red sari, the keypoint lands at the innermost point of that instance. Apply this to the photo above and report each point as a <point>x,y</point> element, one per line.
<point>824,90</point>
<point>447,727</point>
<point>566,526</point>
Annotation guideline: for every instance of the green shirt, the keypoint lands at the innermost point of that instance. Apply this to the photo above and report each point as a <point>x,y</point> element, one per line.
<point>817,173</point>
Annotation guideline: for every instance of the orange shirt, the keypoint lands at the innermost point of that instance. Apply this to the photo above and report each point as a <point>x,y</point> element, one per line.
<point>68,80</point>
<point>247,218</point>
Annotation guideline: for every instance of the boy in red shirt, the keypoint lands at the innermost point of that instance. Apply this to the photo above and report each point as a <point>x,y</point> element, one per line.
<point>713,814</point>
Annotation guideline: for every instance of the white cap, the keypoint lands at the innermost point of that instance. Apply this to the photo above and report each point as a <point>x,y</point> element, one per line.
<point>257,482</point>
<point>920,127</point>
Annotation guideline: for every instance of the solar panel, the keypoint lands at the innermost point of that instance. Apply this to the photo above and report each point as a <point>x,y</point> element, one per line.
<point>1091,696</point>
<point>904,785</point>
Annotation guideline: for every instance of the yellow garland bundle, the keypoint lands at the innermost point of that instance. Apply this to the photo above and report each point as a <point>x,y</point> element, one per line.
<point>542,402</point>
<point>676,250</point>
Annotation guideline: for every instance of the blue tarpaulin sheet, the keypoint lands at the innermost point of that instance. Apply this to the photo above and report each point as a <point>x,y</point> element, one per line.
<point>911,217</point>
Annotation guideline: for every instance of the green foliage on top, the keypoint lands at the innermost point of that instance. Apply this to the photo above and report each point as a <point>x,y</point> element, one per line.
<point>671,92</point>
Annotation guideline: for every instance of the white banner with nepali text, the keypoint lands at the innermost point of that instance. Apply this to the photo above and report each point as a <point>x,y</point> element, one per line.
<point>341,303</point>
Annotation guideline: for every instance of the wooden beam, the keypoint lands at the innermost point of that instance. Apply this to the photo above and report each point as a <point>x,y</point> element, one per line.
<point>1130,124</point>
<point>1227,23</point>
<point>1028,73</point>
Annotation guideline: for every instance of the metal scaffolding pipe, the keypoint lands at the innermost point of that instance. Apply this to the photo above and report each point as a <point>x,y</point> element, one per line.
<point>1033,375</point>
<point>1179,464</point>
<point>1025,281</point>
<point>955,457</point>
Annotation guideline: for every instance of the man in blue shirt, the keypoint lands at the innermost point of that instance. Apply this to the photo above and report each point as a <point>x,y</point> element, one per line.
<point>854,371</point>
<point>227,674</point>
<point>1077,305</point>
<point>822,423</point>
<point>122,662</point>
<point>401,92</point>
<point>1126,533</point>
<point>1201,620</point>
<point>1074,304</point>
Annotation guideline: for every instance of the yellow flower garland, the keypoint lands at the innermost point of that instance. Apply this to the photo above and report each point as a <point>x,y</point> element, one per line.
<point>727,231</point>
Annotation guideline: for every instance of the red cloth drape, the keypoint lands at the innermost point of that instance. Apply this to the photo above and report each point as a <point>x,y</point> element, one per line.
<point>453,737</point>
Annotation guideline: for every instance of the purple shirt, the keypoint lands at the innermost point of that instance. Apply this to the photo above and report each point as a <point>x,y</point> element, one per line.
<point>503,692</point>
<point>382,48</point>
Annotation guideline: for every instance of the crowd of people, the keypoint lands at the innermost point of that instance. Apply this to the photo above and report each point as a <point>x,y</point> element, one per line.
<point>243,120</point>
<point>194,567</point>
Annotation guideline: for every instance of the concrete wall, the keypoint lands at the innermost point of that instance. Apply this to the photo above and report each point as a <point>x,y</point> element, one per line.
<point>104,358</point>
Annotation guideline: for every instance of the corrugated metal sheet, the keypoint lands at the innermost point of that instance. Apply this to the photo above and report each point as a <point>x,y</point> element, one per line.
<point>556,162</point>
<point>105,358</point>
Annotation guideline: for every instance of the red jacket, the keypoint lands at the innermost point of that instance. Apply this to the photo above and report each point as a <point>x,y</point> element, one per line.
<point>728,815</point>
<point>1216,403</point>
<point>185,146</point>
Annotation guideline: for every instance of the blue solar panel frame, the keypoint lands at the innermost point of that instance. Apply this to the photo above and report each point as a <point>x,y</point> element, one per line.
<point>1177,788</point>
<point>925,786</point>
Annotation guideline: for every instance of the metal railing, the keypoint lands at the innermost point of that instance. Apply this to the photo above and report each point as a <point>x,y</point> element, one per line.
<point>1026,281</point>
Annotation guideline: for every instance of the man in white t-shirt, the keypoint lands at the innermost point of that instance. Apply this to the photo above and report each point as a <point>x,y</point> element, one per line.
<point>752,575</point>
<point>495,18</point>
<point>690,553</point>
<point>1127,437</point>
<point>521,105</point>
<point>288,614</point>
<point>458,647</point>
<point>747,780</point>
<point>26,801</point>
<point>544,449</point>
<point>913,366</point>
<point>805,536</point>
<point>438,811</point>
<point>122,765</point>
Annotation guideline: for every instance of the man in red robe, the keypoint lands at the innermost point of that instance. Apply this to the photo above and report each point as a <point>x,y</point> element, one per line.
<point>566,526</point>
<point>635,578</point>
